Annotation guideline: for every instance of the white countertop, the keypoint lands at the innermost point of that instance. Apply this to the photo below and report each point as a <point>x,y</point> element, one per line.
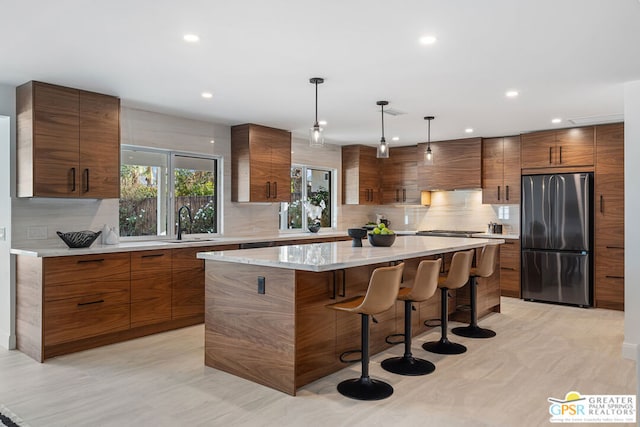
<point>497,236</point>
<point>337,255</point>
<point>60,249</point>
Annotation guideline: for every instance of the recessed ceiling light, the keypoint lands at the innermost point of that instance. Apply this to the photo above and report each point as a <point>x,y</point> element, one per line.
<point>469,130</point>
<point>511,93</point>
<point>322,122</point>
<point>207,95</point>
<point>212,141</point>
<point>395,138</point>
<point>556,120</point>
<point>191,38</point>
<point>428,40</point>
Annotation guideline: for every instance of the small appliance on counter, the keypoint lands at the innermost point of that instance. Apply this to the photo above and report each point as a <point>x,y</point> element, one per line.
<point>381,219</point>
<point>494,228</point>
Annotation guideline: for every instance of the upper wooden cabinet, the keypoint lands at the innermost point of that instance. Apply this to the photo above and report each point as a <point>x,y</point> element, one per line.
<point>399,179</point>
<point>68,142</point>
<point>558,148</point>
<point>456,165</point>
<point>501,170</point>
<point>609,216</point>
<point>260,164</point>
<point>360,175</point>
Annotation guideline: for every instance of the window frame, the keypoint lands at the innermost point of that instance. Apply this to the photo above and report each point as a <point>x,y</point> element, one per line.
<point>282,215</point>
<point>170,199</point>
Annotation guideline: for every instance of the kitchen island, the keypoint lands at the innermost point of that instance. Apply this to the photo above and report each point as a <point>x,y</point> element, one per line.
<point>265,314</point>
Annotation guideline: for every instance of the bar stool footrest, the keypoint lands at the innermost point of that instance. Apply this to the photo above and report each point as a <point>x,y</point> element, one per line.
<point>365,388</point>
<point>387,339</point>
<point>408,366</point>
<point>473,332</point>
<point>349,353</point>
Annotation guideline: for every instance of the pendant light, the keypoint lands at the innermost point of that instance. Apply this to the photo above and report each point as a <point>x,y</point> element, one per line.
<point>428,154</point>
<point>383,148</point>
<point>316,138</point>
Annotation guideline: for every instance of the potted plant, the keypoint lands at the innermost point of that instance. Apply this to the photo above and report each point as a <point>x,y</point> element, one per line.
<point>314,210</point>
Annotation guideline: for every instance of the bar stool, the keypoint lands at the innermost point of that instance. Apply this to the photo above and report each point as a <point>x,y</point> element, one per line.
<point>484,269</point>
<point>424,287</point>
<point>457,277</point>
<point>381,295</point>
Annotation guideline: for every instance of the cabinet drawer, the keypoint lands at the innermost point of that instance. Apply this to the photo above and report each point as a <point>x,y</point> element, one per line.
<point>86,268</point>
<point>83,317</point>
<point>609,292</point>
<point>610,261</point>
<point>86,288</point>
<point>510,254</point>
<point>509,282</point>
<point>150,263</point>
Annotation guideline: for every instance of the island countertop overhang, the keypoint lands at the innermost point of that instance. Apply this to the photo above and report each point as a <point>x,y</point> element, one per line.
<point>318,257</point>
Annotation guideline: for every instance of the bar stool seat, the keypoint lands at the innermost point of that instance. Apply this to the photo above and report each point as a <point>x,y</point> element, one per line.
<point>485,268</point>
<point>424,287</point>
<point>458,276</point>
<point>381,295</point>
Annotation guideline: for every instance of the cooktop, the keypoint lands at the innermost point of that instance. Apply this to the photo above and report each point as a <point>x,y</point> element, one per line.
<point>447,233</point>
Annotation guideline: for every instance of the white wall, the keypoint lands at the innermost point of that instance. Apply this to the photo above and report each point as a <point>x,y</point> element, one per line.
<point>631,225</point>
<point>7,147</point>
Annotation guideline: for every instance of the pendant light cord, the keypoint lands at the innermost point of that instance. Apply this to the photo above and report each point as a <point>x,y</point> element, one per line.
<point>316,102</point>
<point>382,117</point>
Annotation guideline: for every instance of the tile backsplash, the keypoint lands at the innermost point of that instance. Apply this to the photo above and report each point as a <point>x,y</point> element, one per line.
<point>450,210</point>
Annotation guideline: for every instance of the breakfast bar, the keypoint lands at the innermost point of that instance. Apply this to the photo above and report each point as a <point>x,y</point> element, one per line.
<point>265,314</point>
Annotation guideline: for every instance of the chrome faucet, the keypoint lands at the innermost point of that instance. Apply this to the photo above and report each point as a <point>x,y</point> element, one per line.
<point>180,220</point>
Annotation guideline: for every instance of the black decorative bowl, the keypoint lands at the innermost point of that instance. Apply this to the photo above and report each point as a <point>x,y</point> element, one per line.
<point>314,227</point>
<point>381,239</point>
<point>357,234</point>
<point>79,239</point>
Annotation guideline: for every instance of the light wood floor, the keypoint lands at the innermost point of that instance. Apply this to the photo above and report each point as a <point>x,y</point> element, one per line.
<point>541,351</point>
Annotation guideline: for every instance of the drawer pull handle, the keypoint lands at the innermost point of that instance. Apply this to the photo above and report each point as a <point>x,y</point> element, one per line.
<point>80,304</point>
<point>73,179</point>
<point>614,277</point>
<point>615,247</point>
<point>152,256</point>
<point>506,242</point>
<point>82,261</point>
<point>508,268</point>
<point>86,177</point>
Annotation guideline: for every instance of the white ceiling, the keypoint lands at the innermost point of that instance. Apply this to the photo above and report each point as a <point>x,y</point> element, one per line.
<point>567,58</point>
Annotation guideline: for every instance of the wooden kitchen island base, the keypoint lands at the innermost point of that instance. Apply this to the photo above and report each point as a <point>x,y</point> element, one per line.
<point>285,337</point>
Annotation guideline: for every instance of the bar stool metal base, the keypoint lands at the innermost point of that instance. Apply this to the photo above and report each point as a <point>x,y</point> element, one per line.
<point>408,366</point>
<point>473,332</point>
<point>444,346</point>
<point>365,388</point>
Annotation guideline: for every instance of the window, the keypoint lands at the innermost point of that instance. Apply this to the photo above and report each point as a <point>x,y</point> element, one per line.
<point>149,200</point>
<point>312,199</point>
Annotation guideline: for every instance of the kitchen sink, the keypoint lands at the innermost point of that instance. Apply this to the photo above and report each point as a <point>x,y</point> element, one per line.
<point>192,240</point>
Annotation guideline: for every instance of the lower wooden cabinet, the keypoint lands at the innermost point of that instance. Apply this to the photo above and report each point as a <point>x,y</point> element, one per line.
<point>88,316</point>
<point>187,281</point>
<point>85,296</point>
<point>510,268</point>
<point>150,287</point>
<point>609,277</point>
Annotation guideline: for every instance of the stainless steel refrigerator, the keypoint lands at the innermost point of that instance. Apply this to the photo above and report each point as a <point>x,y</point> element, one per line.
<point>556,238</point>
